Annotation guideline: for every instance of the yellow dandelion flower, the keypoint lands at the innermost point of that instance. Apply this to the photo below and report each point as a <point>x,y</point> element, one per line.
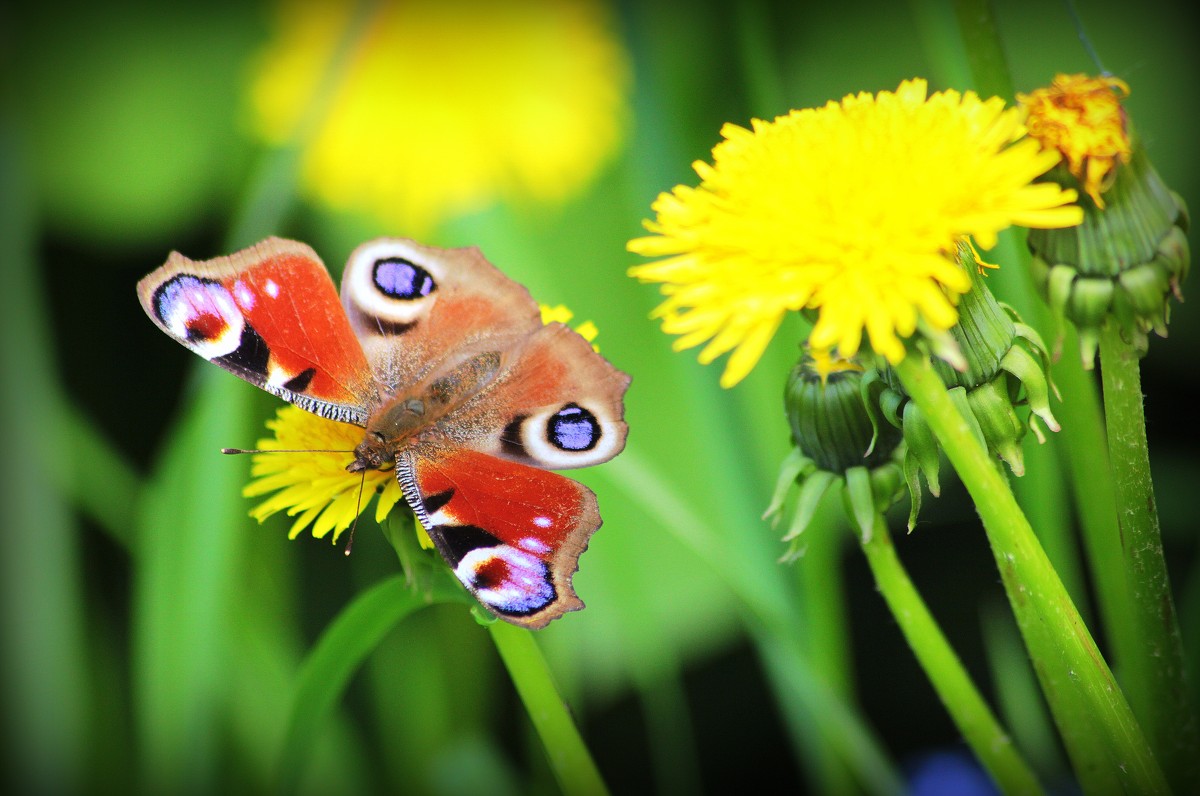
<point>1082,118</point>
<point>447,107</point>
<point>312,485</point>
<point>853,209</point>
<point>308,480</point>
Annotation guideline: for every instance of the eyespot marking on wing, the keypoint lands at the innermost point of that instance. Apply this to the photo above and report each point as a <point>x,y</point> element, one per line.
<point>573,428</point>
<point>392,285</point>
<point>200,313</point>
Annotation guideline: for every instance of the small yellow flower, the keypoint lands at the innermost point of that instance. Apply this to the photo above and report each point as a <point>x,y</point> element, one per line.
<point>853,209</point>
<point>825,363</point>
<point>1082,118</point>
<point>446,108</point>
<point>587,330</point>
<point>313,485</point>
<point>310,482</point>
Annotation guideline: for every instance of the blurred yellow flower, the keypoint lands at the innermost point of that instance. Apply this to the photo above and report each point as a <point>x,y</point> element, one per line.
<point>446,107</point>
<point>587,330</point>
<point>854,210</point>
<point>1082,118</point>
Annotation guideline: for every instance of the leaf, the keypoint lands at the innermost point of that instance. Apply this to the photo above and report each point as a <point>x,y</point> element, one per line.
<point>342,648</point>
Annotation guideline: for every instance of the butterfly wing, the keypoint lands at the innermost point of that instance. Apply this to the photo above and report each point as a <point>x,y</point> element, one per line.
<point>555,404</point>
<point>512,531</point>
<point>269,314</point>
<point>412,306</point>
<point>513,534</point>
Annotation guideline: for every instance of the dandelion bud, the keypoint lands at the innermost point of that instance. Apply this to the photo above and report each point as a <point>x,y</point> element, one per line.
<point>838,441</point>
<point>1130,254</point>
<point>829,421</point>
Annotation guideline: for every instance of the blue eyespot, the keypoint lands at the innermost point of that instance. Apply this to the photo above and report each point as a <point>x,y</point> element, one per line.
<point>573,428</point>
<point>399,278</point>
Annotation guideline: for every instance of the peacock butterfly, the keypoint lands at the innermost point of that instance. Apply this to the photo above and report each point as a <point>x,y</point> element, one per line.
<point>446,364</point>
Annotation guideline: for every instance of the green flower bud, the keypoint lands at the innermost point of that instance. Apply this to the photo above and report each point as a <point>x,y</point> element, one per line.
<point>837,442</point>
<point>829,421</point>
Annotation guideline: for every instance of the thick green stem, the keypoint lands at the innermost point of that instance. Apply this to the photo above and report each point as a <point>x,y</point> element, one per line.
<point>991,744</point>
<point>569,757</point>
<point>1155,676</point>
<point>1093,717</point>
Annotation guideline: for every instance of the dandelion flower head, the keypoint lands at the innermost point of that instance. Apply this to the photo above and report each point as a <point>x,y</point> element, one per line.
<point>445,108</point>
<point>313,485</point>
<point>1082,118</point>
<point>854,210</point>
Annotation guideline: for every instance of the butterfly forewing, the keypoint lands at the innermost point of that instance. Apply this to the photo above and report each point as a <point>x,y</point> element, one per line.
<point>269,314</point>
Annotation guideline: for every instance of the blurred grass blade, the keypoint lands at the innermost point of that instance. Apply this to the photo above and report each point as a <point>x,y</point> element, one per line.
<point>189,547</point>
<point>777,633</point>
<point>342,648</point>
<point>1018,696</point>
<point>99,479</point>
<point>670,731</point>
<point>45,682</point>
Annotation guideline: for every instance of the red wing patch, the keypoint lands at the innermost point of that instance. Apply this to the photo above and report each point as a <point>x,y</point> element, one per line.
<point>512,533</point>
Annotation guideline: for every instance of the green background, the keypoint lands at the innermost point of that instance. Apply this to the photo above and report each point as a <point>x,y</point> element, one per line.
<point>131,665</point>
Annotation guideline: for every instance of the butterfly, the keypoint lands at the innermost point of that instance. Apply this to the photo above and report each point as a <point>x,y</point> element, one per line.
<point>445,363</point>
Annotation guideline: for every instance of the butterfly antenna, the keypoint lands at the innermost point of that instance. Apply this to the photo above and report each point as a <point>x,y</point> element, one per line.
<point>237,451</point>
<point>357,508</point>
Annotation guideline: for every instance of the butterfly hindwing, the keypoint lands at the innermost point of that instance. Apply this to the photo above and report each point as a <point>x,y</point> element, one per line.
<point>556,404</point>
<point>511,533</point>
<point>269,314</point>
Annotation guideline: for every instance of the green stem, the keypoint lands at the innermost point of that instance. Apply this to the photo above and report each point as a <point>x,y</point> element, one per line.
<point>1155,676</point>
<point>1093,717</point>
<point>990,742</point>
<point>569,757</point>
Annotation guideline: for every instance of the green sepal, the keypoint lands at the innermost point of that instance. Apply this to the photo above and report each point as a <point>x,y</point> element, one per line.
<point>789,472</point>
<point>891,402</point>
<point>1032,375</point>
<point>860,501</point>
<point>989,404</point>
<point>959,396</point>
<point>888,486</point>
<point>922,446</point>
<point>912,478</point>
<point>812,489</point>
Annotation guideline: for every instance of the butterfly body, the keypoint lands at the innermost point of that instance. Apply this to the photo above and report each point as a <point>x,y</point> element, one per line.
<point>446,365</point>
